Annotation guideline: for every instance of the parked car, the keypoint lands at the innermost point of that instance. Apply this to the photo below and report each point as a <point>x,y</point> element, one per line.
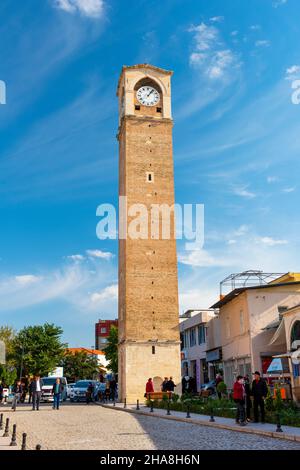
<point>78,392</point>
<point>48,383</point>
<point>209,387</point>
<point>69,389</point>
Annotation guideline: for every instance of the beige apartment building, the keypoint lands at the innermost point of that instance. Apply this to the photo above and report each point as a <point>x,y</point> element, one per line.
<point>247,318</point>
<point>193,335</point>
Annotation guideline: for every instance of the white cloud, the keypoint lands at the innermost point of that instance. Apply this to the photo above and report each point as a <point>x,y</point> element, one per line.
<point>262,43</point>
<point>241,231</point>
<point>293,72</point>
<point>269,241</point>
<point>89,8</point>
<point>99,254</point>
<point>76,257</point>
<point>109,292</point>
<point>255,27</point>
<point>72,284</point>
<point>27,279</point>
<point>217,19</point>
<point>278,3</point>
<point>210,54</point>
<point>242,191</point>
<point>289,190</point>
<point>234,33</point>
<point>272,179</point>
<point>201,258</point>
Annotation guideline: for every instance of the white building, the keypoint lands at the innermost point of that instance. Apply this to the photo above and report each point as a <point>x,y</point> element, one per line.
<point>193,332</point>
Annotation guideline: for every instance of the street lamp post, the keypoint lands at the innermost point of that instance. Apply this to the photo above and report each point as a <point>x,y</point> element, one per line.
<point>22,360</point>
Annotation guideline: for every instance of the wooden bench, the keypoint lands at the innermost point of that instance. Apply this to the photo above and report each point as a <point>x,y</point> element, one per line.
<point>158,395</point>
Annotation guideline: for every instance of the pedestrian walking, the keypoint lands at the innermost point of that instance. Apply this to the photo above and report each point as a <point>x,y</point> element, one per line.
<point>30,386</point>
<point>259,392</point>
<point>219,379</point>
<point>89,393</point>
<point>17,390</point>
<point>248,398</point>
<point>113,389</point>
<point>149,388</point>
<point>37,385</point>
<point>57,390</point>
<point>239,396</point>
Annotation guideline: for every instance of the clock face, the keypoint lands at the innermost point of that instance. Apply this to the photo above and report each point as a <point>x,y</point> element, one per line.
<point>148,96</point>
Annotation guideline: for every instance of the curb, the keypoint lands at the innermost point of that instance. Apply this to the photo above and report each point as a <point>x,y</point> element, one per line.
<point>228,427</point>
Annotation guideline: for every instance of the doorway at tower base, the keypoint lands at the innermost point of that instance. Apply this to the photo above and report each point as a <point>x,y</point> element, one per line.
<point>138,361</point>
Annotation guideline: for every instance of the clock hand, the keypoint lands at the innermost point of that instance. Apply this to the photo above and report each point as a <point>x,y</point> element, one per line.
<point>150,93</point>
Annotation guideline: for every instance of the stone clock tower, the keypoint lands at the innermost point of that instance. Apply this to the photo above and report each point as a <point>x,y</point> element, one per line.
<point>149,344</point>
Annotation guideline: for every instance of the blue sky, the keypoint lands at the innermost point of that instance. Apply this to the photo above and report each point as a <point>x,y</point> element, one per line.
<point>236,145</point>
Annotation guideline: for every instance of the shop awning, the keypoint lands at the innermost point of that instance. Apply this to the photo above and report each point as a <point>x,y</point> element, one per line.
<point>275,366</point>
<point>279,335</point>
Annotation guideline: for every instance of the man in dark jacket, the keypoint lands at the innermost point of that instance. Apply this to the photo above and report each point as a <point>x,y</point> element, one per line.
<point>17,389</point>
<point>164,385</point>
<point>170,386</point>
<point>89,393</point>
<point>259,392</point>
<point>36,387</point>
<point>113,389</point>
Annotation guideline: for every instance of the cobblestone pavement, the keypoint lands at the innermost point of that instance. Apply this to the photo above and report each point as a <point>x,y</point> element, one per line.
<point>93,427</point>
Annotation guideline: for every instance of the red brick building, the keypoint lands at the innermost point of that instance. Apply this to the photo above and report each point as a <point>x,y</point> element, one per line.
<point>102,329</point>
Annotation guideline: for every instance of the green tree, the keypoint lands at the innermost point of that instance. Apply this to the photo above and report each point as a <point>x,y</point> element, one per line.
<point>111,350</point>
<point>38,349</point>
<point>80,366</point>
<point>8,374</point>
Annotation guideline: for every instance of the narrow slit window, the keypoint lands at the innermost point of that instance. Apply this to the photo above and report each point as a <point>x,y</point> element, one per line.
<point>137,107</point>
<point>149,177</point>
<point>153,349</point>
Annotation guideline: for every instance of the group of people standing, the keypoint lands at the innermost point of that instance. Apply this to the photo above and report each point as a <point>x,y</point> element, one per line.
<point>243,392</point>
<point>35,392</point>
<point>167,385</point>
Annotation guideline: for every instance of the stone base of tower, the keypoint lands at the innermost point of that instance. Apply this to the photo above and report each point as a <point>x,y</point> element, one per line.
<point>139,361</point>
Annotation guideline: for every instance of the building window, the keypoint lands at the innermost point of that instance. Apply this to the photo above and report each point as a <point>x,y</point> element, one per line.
<point>103,330</point>
<point>103,340</point>
<point>242,323</point>
<point>227,327</point>
<point>137,107</point>
<point>158,110</point>
<point>192,337</point>
<point>149,177</point>
<point>201,334</point>
<point>153,349</point>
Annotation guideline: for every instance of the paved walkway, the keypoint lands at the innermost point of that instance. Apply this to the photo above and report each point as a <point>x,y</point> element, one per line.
<point>289,433</point>
<point>92,427</point>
